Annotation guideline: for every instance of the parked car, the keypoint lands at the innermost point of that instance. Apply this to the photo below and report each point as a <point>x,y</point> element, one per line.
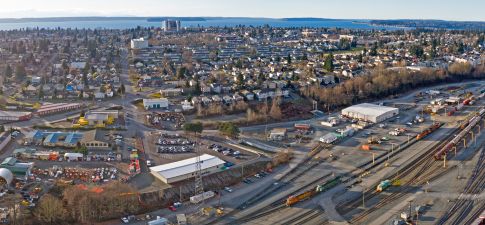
<point>228,189</point>
<point>247,181</point>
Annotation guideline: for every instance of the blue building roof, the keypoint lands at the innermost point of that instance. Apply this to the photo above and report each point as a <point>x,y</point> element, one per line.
<point>52,138</point>
<point>73,138</point>
<point>35,135</point>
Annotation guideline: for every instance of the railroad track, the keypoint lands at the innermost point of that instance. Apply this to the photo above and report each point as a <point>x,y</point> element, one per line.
<point>280,203</point>
<point>474,215</point>
<point>427,170</point>
<point>462,208</point>
<point>418,172</point>
<point>351,176</point>
<point>304,217</point>
<point>305,166</point>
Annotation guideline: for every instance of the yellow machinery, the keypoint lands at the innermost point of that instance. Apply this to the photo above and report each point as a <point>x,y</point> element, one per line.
<point>110,120</point>
<point>100,125</point>
<point>219,211</point>
<point>82,121</point>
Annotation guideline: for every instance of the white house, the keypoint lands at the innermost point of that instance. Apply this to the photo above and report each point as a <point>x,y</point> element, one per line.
<point>139,43</point>
<point>35,80</point>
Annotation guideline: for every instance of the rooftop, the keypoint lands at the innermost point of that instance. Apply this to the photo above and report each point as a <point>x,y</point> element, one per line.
<point>368,109</point>
<point>186,166</point>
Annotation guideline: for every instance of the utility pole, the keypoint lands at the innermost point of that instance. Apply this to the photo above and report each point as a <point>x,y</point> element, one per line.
<point>410,203</point>
<point>444,161</point>
<point>242,170</point>
<point>199,188</point>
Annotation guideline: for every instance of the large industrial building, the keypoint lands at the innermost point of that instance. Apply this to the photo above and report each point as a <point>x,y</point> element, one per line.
<point>14,115</point>
<point>185,169</point>
<point>370,112</point>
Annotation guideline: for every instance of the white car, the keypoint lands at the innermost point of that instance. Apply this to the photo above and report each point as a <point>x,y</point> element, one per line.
<point>125,220</point>
<point>228,189</point>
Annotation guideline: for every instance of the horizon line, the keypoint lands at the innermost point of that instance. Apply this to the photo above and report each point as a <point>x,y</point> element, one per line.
<point>228,17</point>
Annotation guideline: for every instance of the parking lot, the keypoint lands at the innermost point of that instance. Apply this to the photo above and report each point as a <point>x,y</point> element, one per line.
<point>174,144</point>
<point>165,148</point>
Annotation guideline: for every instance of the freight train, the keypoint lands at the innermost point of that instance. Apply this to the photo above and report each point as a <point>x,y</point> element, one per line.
<point>470,123</point>
<point>383,185</point>
<point>308,194</point>
<point>430,130</point>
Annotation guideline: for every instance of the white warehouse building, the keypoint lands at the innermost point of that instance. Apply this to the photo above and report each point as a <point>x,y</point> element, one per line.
<point>370,112</point>
<point>185,169</point>
<point>158,103</point>
<point>139,43</point>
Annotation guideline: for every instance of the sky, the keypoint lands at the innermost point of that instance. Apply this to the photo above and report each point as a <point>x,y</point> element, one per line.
<point>469,10</point>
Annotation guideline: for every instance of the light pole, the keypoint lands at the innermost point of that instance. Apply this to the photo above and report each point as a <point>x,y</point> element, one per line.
<point>473,138</point>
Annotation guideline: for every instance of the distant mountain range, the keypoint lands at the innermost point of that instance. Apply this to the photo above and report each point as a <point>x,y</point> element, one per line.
<point>433,24</point>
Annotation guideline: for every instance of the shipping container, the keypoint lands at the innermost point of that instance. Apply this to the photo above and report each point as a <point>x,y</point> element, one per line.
<point>366,147</point>
<point>302,126</point>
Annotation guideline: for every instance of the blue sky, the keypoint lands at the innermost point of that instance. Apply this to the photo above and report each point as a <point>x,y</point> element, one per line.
<point>355,9</point>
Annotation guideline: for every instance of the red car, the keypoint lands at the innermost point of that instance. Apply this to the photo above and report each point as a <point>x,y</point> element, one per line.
<point>172,208</point>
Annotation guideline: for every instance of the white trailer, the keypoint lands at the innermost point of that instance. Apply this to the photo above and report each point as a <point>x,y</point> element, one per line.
<point>198,198</point>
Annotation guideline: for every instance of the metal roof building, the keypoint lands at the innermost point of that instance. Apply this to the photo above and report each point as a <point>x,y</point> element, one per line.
<point>370,112</point>
<point>185,169</point>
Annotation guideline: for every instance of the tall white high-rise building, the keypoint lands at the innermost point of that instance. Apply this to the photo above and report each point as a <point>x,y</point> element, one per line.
<point>139,43</point>
<point>171,25</point>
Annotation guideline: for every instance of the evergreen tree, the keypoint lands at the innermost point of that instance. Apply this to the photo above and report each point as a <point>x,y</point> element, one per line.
<point>8,71</point>
<point>329,63</point>
<point>288,59</point>
<point>20,72</point>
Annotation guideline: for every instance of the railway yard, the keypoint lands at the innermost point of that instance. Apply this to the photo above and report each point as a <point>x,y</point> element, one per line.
<point>432,172</point>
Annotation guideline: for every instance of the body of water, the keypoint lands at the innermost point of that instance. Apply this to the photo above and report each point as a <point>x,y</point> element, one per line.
<point>229,22</point>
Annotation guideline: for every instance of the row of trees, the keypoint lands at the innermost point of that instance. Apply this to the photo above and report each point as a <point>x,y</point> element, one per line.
<point>20,72</point>
<point>382,82</point>
<point>77,205</point>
